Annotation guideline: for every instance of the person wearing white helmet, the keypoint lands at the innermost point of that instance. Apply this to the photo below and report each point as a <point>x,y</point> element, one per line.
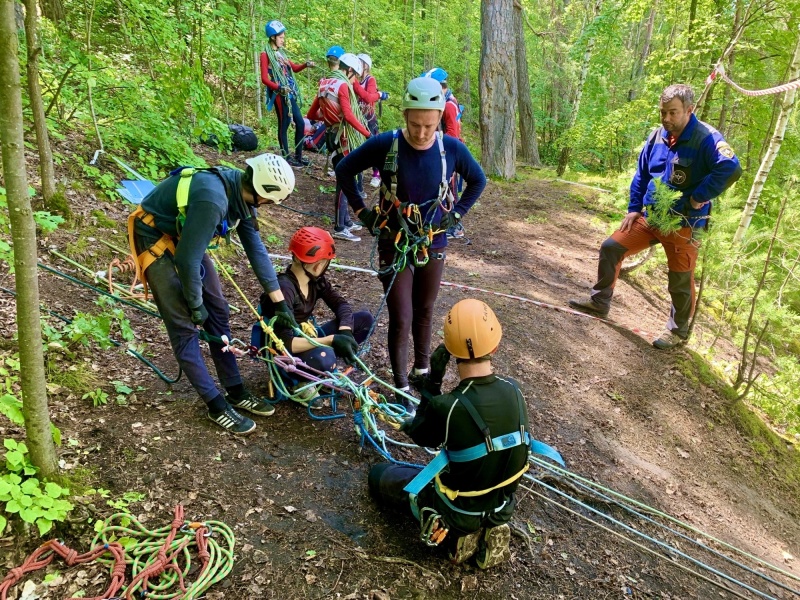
<point>415,208</point>
<point>277,73</point>
<point>337,105</point>
<point>368,96</point>
<point>170,233</point>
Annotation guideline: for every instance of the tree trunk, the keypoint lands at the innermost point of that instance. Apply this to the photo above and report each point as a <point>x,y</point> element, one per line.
<point>498,88</point>
<point>529,147</point>
<point>772,152</point>
<point>638,68</point>
<point>53,10</point>
<point>37,106</point>
<point>23,235</point>
<point>726,96</point>
<point>466,87</point>
<point>563,158</point>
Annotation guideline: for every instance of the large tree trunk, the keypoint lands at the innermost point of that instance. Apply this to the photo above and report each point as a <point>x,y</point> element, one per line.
<point>23,235</point>
<point>529,147</point>
<point>772,152</point>
<point>498,88</point>
<point>563,158</point>
<point>37,106</point>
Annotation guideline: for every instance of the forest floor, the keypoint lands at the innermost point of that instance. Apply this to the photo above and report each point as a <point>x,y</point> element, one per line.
<point>650,424</point>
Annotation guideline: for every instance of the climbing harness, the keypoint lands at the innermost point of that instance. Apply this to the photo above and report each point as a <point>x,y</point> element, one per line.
<point>278,63</point>
<point>166,242</point>
<point>490,444</point>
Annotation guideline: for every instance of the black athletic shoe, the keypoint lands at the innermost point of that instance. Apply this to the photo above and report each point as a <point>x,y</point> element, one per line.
<point>252,404</point>
<point>590,307</point>
<point>232,421</point>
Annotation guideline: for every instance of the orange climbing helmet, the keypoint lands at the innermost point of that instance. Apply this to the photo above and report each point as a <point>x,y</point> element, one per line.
<point>310,244</point>
<point>471,329</point>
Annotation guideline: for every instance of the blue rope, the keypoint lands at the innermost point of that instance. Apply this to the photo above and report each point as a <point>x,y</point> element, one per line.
<point>365,435</point>
<point>658,543</point>
<point>679,534</point>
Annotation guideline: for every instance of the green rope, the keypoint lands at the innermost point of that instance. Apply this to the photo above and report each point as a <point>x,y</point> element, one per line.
<point>277,58</point>
<point>354,137</point>
<point>142,546</point>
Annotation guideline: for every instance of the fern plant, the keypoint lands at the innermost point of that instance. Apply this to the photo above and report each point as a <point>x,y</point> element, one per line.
<point>661,214</point>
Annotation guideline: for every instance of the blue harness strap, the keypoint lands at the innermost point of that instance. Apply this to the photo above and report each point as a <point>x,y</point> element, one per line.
<point>502,442</point>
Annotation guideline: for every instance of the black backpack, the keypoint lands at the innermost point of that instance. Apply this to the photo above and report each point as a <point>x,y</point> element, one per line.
<point>243,138</point>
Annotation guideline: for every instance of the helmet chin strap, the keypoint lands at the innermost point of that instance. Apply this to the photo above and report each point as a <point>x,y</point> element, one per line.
<point>315,277</point>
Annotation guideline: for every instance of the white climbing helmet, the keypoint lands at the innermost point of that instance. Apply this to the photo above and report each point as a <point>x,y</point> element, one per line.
<point>352,61</point>
<point>423,93</point>
<point>273,178</point>
<point>365,59</point>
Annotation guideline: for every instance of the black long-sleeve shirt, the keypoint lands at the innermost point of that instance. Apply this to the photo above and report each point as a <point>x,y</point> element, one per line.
<point>303,307</point>
<point>443,420</point>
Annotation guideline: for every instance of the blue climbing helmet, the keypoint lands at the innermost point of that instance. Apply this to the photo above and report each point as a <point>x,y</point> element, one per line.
<point>436,73</point>
<point>274,28</point>
<point>335,52</point>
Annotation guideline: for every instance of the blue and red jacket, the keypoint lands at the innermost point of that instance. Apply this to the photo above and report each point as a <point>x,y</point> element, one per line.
<point>700,164</point>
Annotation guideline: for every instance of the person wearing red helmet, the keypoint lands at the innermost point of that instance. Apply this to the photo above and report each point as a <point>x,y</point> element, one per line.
<point>303,284</point>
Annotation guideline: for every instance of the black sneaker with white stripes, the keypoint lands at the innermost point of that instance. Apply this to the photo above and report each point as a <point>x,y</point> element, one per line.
<point>252,404</point>
<point>232,421</point>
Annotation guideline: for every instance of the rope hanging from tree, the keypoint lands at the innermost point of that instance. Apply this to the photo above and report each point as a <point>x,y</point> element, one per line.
<point>778,89</point>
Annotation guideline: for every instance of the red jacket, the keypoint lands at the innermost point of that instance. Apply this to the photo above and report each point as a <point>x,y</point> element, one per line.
<point>368,95</point>
<point>332,105</point>
<point>265,77</point>
<point>450,123</point>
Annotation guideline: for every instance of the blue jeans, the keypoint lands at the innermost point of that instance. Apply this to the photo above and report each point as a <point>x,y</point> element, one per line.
<point>163,280</point>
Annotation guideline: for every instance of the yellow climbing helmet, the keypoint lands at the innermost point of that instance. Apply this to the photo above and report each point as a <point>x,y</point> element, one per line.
<point>471,329</point>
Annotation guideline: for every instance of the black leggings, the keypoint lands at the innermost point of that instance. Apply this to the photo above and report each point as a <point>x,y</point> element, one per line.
<point>285,116</point>
<point>410,303</point>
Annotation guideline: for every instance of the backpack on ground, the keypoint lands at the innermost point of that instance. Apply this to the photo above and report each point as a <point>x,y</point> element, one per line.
<point>243,138</point>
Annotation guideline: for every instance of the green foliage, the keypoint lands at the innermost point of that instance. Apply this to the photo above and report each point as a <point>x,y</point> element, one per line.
<point>10,404</point>
<point>46,221</point>
<point>31,500</point>
<point>98,397</point>
<point>661,215</point>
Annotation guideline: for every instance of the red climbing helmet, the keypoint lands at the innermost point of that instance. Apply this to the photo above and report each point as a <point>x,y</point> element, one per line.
<point>310,244</point>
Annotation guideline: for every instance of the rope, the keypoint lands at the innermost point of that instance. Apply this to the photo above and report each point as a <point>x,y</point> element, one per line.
<point>278,61</point>
<point>778,89</point>
<point>161,559</point>
<point>44,555</point>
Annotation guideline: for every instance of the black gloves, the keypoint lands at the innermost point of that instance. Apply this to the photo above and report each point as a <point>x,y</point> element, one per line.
<point>199,315</point>
<point>345,345</point>
<point>283,315</point>
<point>384,95</point>
<point>449,220</point>
<point>369,217</point>
<point>439,360</point>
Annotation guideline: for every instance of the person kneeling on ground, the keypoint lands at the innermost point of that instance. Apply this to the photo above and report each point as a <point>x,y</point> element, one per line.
<point>170,233</point>
<point>472,499</point>
<point>302,284</point>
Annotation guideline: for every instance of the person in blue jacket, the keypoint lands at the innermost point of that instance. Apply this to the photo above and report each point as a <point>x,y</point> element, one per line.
<point>694,159</point>
<point>416,164</point>
<point>170,233</point>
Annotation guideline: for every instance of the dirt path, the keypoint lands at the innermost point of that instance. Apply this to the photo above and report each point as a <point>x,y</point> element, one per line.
<point>622,413</point>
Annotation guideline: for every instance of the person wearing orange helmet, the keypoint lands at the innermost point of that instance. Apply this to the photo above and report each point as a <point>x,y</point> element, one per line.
<point>303,284</point>
<point>473,499</point>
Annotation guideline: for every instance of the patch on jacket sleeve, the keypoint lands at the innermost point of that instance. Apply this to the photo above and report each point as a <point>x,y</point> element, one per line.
<point>724,149</point>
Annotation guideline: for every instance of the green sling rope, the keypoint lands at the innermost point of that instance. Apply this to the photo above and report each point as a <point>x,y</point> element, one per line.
<point>352,135</point>
<point>276,61</point>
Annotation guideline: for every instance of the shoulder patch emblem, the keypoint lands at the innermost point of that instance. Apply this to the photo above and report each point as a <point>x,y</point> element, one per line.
<point>724,149</point>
